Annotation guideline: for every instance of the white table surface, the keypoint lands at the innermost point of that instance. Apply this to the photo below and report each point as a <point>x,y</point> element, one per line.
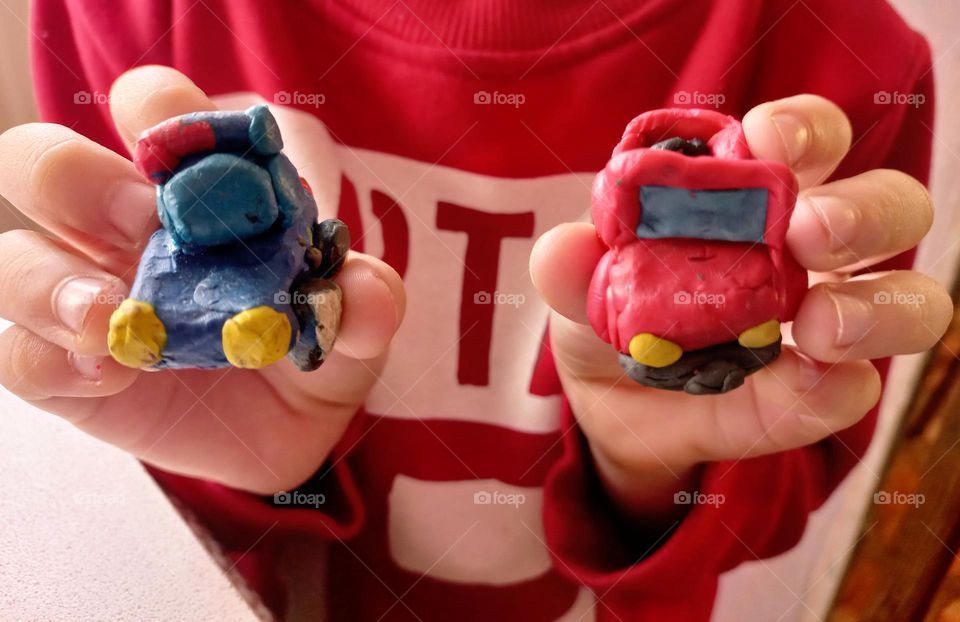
<point>85,533</point>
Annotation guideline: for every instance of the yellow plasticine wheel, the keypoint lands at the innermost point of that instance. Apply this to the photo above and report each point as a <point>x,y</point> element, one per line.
<point>760,335</point>
<point>257,337</point>
<point>136,336</point>
<point>653,351</point>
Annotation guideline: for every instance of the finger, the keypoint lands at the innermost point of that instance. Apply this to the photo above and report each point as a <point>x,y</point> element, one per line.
<point>562,263</point>
<point>895,313</point>
<point>83,192</point>
<point>798,401</point>
<point>67,300</point>
<point>374,303</point>
<point>808,133</point>
<point>183,414</point>
<point>856,222</point>
<point>145,96</point>
<point>793,402</point>
<point>61,297</point>
<point>34,369</point>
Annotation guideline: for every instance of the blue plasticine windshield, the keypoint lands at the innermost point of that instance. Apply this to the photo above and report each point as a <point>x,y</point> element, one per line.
<point>731,215</point>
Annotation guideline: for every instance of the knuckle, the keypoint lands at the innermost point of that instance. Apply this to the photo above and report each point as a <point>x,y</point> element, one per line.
<point>896,207</point>
<point>22,251</point>
<point>53,158</point>
<point>936,309</point>
<point>26,133</point>
<point>921,309</point>
<point>908,190</point>
<point>917,200</point>
<point>20,350</point>
<point>831,127</point>
<point>28,152</point>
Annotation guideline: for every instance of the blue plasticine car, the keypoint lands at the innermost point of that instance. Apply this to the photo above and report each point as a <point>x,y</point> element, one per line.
<point>240,272</point>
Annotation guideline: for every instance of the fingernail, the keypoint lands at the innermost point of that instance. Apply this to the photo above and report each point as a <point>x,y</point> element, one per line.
<point>857,318</point>
<point>89,367</point>
<point>131,210</point>
<point>840,219</point>
<point>74,298</point>
<point>794,133</point>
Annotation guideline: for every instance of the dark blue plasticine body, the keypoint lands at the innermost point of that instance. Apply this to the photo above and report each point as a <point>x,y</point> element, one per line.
<point>240,262</point>
<point>195,293</point>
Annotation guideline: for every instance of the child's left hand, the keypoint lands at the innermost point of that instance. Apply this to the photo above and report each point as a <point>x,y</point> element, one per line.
<point>646,442</point>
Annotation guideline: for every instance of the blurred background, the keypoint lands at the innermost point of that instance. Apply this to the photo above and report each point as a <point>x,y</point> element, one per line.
<point>17,104</point>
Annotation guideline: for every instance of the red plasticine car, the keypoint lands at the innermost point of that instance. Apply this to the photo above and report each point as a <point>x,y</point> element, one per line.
<point>698,277</point>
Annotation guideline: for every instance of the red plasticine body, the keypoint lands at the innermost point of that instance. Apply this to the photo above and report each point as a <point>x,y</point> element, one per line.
<point>698,277</point>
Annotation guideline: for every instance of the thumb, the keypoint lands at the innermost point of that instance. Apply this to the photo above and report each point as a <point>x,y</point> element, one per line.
<point>561,266</point>
<point>147,95</point>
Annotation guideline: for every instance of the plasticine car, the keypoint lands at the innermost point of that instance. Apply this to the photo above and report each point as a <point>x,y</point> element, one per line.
<point>698,277</point>
<point>240,272</point>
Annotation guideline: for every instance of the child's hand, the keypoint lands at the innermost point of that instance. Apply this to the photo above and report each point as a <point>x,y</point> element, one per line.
<point>647,441</point>
<point>260,431</point>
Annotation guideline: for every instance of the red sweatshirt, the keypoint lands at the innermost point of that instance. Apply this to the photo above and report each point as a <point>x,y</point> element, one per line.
<point>449,136</point>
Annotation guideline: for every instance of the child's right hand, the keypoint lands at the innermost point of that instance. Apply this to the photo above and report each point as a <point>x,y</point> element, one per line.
<point>261,431</point>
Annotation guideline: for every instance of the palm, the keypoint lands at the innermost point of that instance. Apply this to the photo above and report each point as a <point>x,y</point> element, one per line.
<point>265,430</point>
<point>262,431</point>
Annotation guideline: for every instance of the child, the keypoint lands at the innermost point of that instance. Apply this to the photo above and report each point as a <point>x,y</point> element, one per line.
<point>461,465</point>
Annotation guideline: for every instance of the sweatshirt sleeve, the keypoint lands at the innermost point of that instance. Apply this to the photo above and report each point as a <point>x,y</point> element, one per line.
<point>328,505</point>
<point>80,47</point>
<point>749,509</point>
